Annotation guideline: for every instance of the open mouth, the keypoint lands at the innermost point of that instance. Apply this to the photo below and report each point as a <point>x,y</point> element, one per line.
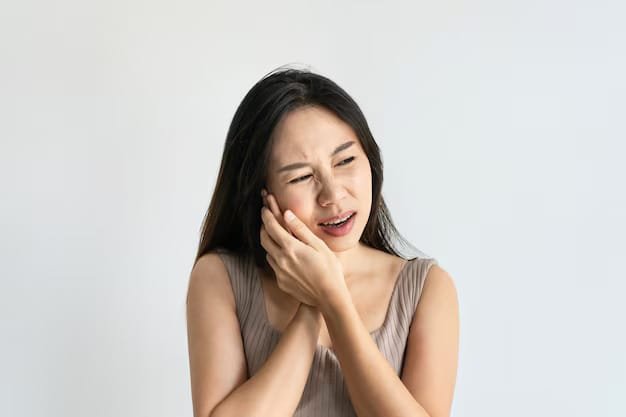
<point>339,224</point>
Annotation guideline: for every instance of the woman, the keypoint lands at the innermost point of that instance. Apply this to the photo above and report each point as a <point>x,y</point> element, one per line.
<point>299,302</point>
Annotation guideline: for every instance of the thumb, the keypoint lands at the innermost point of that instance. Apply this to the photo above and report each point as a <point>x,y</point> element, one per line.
<point>300,230</point>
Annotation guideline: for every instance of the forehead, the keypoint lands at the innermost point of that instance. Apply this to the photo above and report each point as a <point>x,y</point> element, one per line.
<point>307,131</point>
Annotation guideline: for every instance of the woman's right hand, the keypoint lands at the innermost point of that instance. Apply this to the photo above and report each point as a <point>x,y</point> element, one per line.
<point>304,310</point>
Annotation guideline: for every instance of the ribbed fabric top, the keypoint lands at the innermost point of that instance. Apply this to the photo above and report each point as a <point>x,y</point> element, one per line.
<point>325,393</point>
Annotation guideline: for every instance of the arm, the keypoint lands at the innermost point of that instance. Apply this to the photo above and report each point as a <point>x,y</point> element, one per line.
<point>276,389</point>
<point>219,384</point>
<point>374,387</point>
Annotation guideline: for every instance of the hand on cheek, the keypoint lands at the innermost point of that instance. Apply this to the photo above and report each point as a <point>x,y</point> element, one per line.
<point>269,201</point>
<point>303,265</point>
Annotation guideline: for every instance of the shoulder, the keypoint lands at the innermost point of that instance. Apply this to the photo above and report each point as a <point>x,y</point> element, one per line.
<point>208,260</point>
<point>211,265</point>
<point>223,262</point>
<point>210,276</point>
<point>438,286</point>
<point>430,368</point>
<point>438,305</point>
<point>213,333</point>
<point>433,287</point>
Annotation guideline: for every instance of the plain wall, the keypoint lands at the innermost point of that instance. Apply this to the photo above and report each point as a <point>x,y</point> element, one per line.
<point>502,130</point>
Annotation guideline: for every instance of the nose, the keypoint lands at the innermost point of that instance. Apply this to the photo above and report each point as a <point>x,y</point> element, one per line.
<point>331,192</point>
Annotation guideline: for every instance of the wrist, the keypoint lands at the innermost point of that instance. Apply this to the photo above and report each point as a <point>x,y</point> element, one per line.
<point>310,315</point>
<point>334,301</point>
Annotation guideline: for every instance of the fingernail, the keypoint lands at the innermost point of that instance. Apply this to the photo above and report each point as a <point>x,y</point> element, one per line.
<point>289,215</point>
<point>263,192</point>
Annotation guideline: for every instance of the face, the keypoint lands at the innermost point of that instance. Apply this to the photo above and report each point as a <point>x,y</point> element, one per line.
<point>318,169</point>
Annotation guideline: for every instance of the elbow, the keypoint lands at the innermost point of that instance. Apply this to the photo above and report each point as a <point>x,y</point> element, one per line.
<point>217,411</point>
<point>212,413</point>
<point>204,413</point>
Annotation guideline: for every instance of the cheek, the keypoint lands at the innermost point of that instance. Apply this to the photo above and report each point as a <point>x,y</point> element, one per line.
<point>363,189</point>
<point>293,202</point>
<point>362,180</point>
<point>299,204</point>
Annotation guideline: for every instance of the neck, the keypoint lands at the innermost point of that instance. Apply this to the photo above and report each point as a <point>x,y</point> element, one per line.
<point>355,261</point>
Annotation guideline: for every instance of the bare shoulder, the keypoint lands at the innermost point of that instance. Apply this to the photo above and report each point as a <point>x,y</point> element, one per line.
<point>209,274</point>
<point>438,297</point>
<point>216,354</point>
<point>439,287</point>
<point>431,363</point>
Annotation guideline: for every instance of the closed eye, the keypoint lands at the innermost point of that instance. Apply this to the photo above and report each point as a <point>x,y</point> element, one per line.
<point>299,179</point>
<point>304,177</point>
<point>346,161</point>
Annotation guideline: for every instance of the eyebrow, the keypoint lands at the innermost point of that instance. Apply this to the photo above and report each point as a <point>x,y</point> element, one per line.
<point>304,164</point>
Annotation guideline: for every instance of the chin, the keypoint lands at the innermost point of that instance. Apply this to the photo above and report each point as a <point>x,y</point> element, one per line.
<point>341,247</point>
<point>341,244</point>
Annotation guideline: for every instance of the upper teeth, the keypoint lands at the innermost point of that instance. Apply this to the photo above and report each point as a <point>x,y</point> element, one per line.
<point>339,221</point>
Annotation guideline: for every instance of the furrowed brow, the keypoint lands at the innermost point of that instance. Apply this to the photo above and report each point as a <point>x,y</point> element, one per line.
<point>297,165</point>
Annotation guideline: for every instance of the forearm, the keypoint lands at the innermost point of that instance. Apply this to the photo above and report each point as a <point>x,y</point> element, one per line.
<point>374,387</point>
<point>276,389</point>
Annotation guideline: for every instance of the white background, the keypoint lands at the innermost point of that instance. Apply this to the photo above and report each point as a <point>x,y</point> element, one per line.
<point>502,127</point>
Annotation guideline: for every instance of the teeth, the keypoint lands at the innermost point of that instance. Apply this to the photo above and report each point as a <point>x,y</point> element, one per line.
<point>338,221</point>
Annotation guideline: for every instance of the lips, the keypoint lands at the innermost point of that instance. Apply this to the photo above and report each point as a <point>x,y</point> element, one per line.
<point>335,218</point>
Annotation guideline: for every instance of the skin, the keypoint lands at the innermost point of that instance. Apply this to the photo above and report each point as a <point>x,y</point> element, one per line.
<point>320,285</point>
<point>326,186</point>
<point>321,272</point>
<point>310,135</point>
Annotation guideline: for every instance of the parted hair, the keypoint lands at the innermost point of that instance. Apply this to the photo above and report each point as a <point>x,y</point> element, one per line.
<point>233,219</point>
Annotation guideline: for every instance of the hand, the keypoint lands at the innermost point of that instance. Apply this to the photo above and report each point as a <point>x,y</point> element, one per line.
<point>272,205</point>
<point>304,266</point>
<point>269,201</point>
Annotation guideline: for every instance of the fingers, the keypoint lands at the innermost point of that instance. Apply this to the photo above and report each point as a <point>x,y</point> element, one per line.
<point>301,231</point>
<point>275,224</point>
<point>272,262</point>
<point>274,229</point>
<point>270,202</point>
<point>273,206</point>
<point>270,246</point>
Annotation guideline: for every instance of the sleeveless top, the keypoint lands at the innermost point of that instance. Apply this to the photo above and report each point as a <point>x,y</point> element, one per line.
<point>325,393</point>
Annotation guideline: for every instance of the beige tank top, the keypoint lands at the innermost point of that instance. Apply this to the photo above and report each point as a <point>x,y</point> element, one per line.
<point>325,393</point>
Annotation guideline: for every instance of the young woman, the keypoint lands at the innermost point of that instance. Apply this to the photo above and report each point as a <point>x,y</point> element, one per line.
<point>299,302</point>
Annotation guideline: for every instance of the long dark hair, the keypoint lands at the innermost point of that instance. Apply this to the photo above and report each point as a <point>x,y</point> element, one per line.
<point>233,220</point>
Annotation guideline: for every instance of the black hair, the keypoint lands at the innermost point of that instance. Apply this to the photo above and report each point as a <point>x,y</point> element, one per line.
<point>233,219</point>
